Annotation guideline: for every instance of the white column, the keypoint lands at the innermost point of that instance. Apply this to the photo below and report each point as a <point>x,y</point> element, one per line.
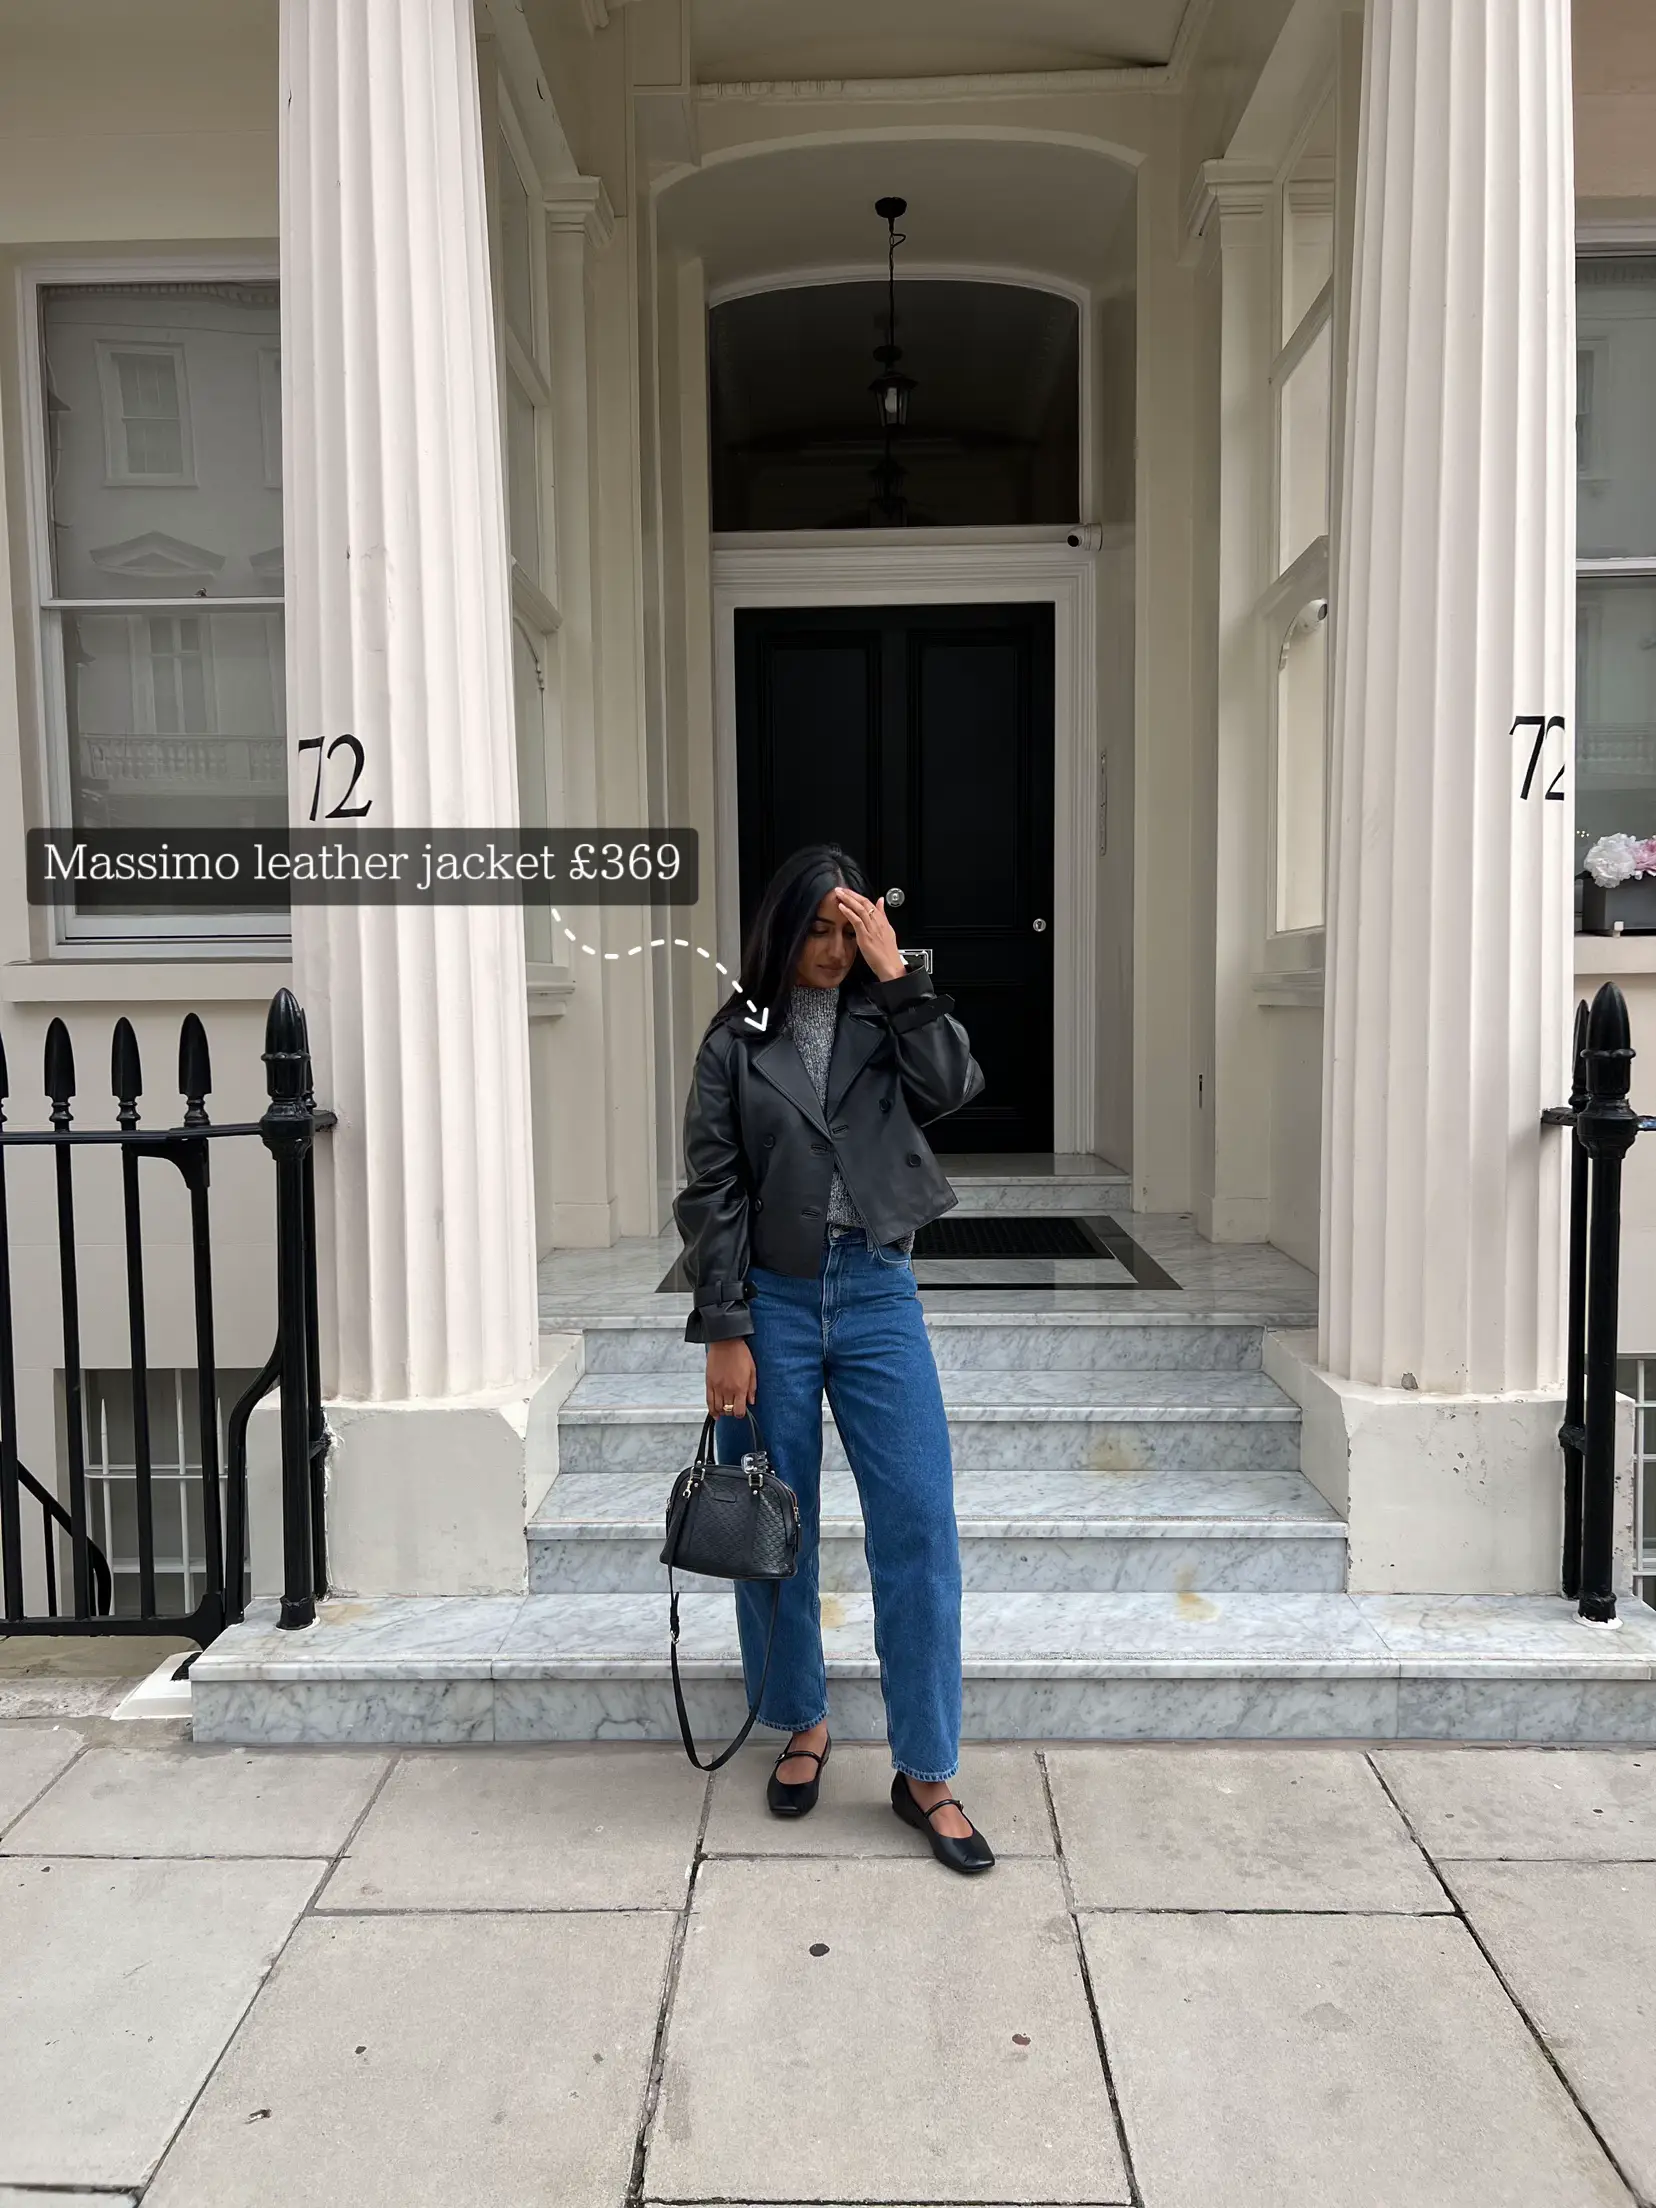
<point>398,633</point>
<point>1449,950</point>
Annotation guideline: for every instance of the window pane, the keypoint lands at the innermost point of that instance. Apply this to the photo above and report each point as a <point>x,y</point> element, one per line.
<point>1301,766</point>
<point>1303,512</point>
<point>523,487</point>
<point>174,721</point>
<point>1615,411</point>
<point>517,281</point>
<point>157,440</point>
<point>1615,709</point>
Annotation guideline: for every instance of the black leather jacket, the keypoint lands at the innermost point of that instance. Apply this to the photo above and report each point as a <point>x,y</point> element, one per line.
<point>760,1151</point>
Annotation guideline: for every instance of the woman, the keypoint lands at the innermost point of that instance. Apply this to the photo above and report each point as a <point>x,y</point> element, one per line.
<point>808,1175</point>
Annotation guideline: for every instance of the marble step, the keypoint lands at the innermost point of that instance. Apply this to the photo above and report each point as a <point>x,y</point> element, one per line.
<point>1036,1528</point>
<point>1076,1194</point>
<point>1079,1341</point>
<point>437,1670</point>
<point>1100,1422</point>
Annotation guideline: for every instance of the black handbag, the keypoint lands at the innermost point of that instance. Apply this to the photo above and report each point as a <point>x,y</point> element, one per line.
<point>729,1521</point>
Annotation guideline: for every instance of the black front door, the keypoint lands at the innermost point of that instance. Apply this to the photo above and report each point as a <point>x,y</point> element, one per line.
<point>920,739</point>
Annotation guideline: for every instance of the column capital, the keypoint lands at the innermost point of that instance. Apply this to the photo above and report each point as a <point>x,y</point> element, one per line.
<point>581,203</point>
<point>1237,192</point>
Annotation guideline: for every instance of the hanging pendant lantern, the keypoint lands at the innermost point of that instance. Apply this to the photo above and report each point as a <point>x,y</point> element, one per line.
<point>891,388</point>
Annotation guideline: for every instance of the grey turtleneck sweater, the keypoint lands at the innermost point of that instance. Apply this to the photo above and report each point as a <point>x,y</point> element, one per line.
<point>809,1022</point>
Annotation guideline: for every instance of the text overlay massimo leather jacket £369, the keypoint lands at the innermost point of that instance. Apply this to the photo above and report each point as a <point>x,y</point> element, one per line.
<point>760,1150</point>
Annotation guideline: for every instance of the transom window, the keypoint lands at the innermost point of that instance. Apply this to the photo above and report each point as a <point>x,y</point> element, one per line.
<point>993,430</point>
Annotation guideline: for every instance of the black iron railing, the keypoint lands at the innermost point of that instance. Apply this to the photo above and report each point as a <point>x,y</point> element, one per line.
<point>288,1130</point>
<point>1605,1128</point>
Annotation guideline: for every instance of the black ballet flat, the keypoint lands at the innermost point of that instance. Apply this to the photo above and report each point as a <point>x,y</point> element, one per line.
<point>788,1799</point>
<point>971,1854</point>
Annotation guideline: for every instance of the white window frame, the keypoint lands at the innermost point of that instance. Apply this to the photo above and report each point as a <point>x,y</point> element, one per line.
<point>68,934</point>
<point>116,468</point>
<point>1308,575</point>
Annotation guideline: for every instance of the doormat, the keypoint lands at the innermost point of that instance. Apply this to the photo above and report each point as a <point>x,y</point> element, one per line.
<point>1017,1251</point>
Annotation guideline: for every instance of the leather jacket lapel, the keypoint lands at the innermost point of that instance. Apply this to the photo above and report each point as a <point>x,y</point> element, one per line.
<point>784,1069</point>
<point>855,1041</point>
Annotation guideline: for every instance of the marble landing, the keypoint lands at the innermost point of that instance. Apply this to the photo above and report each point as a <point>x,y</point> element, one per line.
<point>1239,1283</point>
<point>1037,1666</point>
<point>1048,1528</point>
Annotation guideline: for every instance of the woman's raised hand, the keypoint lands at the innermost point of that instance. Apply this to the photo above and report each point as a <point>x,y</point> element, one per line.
<point>732,1382</point>
<point>874,934</point>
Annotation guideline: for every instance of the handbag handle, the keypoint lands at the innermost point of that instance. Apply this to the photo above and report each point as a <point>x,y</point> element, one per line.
<point>705,1447</point>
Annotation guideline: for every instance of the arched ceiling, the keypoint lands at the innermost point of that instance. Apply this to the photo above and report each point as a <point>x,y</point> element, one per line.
<point>988,203</point>
<point>895,38</point>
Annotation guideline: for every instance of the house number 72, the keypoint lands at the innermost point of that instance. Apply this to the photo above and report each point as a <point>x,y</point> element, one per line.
<point>1543,725</point>
<point>344,809</point>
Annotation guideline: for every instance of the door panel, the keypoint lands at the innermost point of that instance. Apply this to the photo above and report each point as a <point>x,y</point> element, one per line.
<point>920,738</point>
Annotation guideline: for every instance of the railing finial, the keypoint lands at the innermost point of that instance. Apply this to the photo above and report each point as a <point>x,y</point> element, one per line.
<point>195,1070</point>
<point>126,1073</point>
<point>60,1072</point>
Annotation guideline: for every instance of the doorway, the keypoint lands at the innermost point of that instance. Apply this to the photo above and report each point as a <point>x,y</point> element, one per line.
<point>921,738</point>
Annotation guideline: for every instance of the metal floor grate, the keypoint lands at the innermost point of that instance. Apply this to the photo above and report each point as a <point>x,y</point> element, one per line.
<point>1008,1234</point>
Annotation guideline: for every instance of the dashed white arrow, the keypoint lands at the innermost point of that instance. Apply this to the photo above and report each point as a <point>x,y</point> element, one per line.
<point>679,943</point>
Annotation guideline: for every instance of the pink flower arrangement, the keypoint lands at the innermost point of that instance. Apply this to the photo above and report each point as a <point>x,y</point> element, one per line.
<point>1617,859</point>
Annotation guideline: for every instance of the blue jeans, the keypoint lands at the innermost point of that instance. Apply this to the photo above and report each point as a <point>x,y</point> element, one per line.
<point>858,1330</point>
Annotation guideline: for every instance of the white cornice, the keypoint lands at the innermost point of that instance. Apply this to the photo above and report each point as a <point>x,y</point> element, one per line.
<point>1009,84</point>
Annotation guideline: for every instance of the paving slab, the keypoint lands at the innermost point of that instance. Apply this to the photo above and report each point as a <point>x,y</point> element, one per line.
<point>120,1984</point>
<point>1001,1788</point>
<point>939,2046</point>
<point>535,1828</point>
<point>1593,1804</point>
<point>1331,2062</point>
<point>421,2062</point>
<point>1234,1828</point>
<point>10,2197</point>
<point>189,1801</point>
<point>1553,1928</point>
<point>31,1757</point>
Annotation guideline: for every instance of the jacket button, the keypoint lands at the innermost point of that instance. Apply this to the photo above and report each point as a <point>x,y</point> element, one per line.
<point>758,1203</point>
<point>885,1103</point>
<point>770,1142</point>
<point>914,1157</point>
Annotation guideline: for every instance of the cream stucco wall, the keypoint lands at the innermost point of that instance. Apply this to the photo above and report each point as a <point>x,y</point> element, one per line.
<point>122,134</point>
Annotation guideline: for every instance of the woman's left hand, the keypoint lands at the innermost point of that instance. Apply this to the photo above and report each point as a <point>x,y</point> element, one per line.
<point>874,934</point>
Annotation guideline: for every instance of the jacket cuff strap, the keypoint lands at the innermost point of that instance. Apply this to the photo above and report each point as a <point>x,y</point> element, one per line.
<point>720,1292</point>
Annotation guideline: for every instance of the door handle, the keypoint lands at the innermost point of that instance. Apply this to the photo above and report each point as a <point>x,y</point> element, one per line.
<point>894,898</point>
<point>1040,927</point>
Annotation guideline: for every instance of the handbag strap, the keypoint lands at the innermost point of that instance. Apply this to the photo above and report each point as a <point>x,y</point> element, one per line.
<point>721,1760</point>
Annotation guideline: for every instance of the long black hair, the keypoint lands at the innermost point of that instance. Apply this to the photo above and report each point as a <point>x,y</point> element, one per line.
<point>776,935</point>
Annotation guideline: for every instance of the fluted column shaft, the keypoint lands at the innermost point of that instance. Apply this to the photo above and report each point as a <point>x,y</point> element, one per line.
<point>398,632</point>
<point>1449,967</point>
